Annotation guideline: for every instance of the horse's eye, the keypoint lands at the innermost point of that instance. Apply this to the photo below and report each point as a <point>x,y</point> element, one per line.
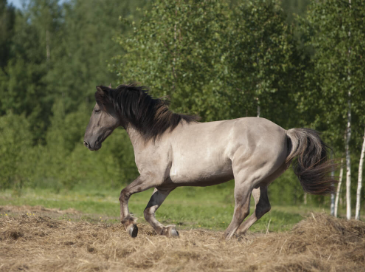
<point>96,111</point>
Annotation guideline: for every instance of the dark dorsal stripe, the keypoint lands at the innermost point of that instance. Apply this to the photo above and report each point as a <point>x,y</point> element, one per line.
<point>150,116</point>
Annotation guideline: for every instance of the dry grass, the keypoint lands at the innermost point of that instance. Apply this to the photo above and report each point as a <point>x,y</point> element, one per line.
<point>40,243</point>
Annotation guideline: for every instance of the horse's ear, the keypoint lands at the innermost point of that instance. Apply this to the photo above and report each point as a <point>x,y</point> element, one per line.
<point>110,86</point>
<point>102,98</point>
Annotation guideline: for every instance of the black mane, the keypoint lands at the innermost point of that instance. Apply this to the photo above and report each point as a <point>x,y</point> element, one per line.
<point>151,117</point>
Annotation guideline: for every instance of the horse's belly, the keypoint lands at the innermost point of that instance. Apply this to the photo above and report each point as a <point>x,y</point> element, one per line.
<point>201,173</point>
<point>201,154</point>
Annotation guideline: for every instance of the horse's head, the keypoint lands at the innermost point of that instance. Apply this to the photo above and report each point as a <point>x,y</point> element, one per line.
<point>103,120</point>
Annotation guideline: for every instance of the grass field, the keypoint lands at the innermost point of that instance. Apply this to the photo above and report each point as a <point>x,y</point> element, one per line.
<point>208,208</point>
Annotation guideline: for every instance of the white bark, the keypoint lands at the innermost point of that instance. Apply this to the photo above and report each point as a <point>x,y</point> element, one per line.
<point>333,204</point>
<point>348,161</point>
<point>348,137</point>
<point>338,189</point>
<point>359,183</point>
<point>258,107</point>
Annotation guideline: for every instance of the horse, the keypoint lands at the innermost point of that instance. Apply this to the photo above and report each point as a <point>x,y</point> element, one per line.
<point>173,150</point>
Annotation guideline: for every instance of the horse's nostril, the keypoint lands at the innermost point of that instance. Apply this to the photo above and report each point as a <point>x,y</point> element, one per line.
<point>86,144</point>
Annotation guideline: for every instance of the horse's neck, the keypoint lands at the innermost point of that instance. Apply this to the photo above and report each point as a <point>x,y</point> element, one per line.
<point>138,141</point>
<point>143,150</point>
<point>135,136</point>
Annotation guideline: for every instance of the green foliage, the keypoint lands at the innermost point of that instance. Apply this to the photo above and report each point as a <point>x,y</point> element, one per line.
<point>211,60</point>
<point>15,142</point>
<point>73,164</point>
<point>294,7</point>
<point>262,62</point>
<point>7,19</point>
<point>175,49</point>
<point>57,55</point>
<point>80,58</point>
<point>336,33</point>
<point>25,90</point>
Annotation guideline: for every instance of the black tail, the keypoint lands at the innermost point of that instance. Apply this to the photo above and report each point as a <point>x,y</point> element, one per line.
<point>312,165</point>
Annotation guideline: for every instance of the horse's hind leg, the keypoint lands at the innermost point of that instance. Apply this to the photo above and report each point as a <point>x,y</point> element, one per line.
<point>261,200</point>
<point>157,198</point>
<point>247,177</point>
<point>262,206</point>
<point>242,195</point>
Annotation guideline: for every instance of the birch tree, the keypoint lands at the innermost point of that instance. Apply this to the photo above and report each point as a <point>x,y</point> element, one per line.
<point>338,191</point>
<point>348,161</point>
<point>332,100</point>
<point>359,183</point>
<point>348,130</point>
<point>332,207</point>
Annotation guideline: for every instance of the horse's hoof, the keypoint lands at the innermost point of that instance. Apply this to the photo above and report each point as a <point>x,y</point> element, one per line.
<point>228,236</point>
<point>170,231</point>
<point>174,233</point>
<point>133,231</point>
<point>240,236</point>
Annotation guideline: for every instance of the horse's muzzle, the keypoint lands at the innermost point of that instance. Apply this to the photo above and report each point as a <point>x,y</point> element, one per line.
<point>96,146</point>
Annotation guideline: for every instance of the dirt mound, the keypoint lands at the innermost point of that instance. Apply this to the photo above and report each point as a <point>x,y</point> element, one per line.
<point>40,243</point>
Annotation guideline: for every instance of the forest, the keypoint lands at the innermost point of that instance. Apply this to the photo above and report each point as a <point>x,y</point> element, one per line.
<point>298,63</point>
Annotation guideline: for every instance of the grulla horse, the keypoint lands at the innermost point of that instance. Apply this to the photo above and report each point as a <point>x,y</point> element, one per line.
<point>173,150</point>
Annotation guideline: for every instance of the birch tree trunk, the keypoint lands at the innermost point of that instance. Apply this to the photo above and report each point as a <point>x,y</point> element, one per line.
<point>348,137</point>
<point>338,189</point>
<point>359,183</point>
<point>348,161</point>
<point>333,194</point>
<point>332,208</point>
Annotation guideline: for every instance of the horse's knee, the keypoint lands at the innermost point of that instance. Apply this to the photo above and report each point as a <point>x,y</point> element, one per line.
<point>123,195</point>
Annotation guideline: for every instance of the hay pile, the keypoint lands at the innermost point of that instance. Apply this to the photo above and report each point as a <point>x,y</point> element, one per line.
<point>35,209</point>
<point>40,243</point>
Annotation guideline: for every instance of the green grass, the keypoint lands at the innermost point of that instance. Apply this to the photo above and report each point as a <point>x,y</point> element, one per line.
<point>187,207</point>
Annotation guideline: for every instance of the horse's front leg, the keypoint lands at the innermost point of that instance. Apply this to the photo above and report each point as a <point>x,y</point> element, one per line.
<point>157,198</point>
<point>128,221</point>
